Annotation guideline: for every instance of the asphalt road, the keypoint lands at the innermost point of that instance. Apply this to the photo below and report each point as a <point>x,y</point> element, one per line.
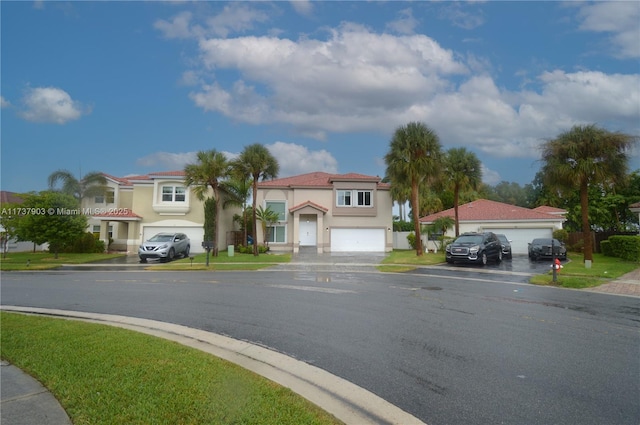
<point>448,346</point>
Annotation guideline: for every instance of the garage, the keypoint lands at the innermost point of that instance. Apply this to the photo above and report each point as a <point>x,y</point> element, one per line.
<point>195,234</point>
<point>358,240</point>
<point>520,237</point>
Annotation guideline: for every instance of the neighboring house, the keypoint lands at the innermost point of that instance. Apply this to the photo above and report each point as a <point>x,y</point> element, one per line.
<point>135,208</point>
<point>635,208</point>
<point>12,245</point>
<point>331,212</point>
<point>520,225</point>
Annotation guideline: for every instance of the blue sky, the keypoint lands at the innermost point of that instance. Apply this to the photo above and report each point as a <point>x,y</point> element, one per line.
<point>136,87</point>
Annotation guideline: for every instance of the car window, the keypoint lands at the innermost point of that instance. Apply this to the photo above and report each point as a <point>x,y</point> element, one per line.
<point>161,238</point>
<point>503,238</point>
<point>476,239</point>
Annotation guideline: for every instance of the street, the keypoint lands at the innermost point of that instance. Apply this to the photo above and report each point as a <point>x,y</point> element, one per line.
<point>450,347</point>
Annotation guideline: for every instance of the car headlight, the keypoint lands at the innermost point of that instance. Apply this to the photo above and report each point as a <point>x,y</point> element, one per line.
<point>448,248</point>
<point>164,246</point>
<point>474,249</point>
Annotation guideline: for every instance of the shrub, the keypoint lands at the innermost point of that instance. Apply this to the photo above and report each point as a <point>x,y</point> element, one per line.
<point>561,234</point>
<point>605,247</point>
<point>242,249</point>
<point>411,238</point>
<point>625,247</point>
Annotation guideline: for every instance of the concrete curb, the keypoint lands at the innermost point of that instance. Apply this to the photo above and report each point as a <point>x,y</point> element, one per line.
<point>343,399</point>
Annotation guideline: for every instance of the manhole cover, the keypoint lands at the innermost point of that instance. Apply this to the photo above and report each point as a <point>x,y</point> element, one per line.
<point>432,288</point>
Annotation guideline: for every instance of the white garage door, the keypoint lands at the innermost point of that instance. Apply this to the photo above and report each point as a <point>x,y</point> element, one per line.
<point>520,238</point>
<point>357,240</point>
<point>195,234</point>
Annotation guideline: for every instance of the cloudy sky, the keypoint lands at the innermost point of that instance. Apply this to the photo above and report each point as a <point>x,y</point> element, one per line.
<point>137,87</point>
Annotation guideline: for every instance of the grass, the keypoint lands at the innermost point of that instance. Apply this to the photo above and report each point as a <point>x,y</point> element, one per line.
<point>224,262</point>
<point>108,375</point>
<point>406,260</point>
<point>46,260</point>
<point>575,275</point>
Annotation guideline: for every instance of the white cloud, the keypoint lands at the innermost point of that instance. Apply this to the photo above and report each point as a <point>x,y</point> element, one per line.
<point>489,176</point>
<point>296,159</point>
<point>405,24</point>
<point>357,80</point>
<point>466,19</point>
<point>620,18</point>
<point>51,105</point>
<point>292,158</point>
<point>178,27</point>
<point>235,17</point>
<point>4,103</point>
<point>303,7</point>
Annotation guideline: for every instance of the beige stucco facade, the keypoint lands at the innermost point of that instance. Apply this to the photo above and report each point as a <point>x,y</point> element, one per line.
<point>313,215</point>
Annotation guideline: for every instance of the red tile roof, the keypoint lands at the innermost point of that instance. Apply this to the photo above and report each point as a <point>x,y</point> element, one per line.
<point>320,179</point>
<point>485,210</point>
<point>10,197</point>
<point>310,204</point>
<point>550,210</point>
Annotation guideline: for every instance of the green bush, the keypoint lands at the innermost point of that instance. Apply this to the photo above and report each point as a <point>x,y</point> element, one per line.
<point>561,234</point>
<point>625,247</point>
<point>411,238</point>
<point>87,244</point>
<point>605,248</point>
<point>249,249</point>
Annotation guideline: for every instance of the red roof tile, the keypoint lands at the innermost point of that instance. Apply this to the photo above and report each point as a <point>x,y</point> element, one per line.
<point>10,197</point>
<point>310,204</point>
<point>485,210</point>
<point>550,210</point>
<point>319,179</point>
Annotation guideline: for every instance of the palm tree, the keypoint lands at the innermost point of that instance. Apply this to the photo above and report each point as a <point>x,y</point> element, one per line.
<point>267,217</point>
<point>584,156</point>
<point>414,159</point>
<point>257,162</point>
<point>441,225</point>
<point>462,168</point>
<point>212,166</point>
<point>238,189</point>
<point>92,184</point>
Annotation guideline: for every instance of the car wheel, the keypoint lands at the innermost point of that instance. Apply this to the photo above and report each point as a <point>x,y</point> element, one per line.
<point>499,259</point>
<point>186,251</point>
<point>172,254</point>
<point>483,259</point>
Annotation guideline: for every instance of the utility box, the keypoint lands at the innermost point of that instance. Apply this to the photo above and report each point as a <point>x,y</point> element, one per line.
<point>230,250</point>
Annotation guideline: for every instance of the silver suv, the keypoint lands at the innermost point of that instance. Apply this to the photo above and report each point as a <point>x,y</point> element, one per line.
<point>165,246</point>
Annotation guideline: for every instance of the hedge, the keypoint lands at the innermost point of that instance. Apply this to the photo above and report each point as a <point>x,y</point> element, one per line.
<point>625,247</point>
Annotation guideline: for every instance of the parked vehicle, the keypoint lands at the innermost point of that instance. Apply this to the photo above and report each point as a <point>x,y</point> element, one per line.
<point>506,246</point>
<point>165,246</point>
<point>474,248</point>
<point>541,248</point>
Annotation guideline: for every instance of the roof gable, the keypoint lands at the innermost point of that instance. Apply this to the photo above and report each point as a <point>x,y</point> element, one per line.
<point>320,179</point>
<point>486,210</point>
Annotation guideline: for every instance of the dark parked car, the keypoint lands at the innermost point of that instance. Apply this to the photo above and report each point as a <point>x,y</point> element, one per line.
<point>506,246</point>
<point>165,246</point>
<point>474,248</point>
<point>541,248</point>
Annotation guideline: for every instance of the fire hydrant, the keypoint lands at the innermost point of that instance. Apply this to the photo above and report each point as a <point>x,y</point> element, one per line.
<point>557,264</point>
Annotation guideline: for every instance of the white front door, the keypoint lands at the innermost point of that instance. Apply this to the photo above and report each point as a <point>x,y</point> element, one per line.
<point>308,230</point>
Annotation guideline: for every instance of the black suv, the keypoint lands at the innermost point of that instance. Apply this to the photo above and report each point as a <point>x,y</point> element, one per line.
<point>474,248</point>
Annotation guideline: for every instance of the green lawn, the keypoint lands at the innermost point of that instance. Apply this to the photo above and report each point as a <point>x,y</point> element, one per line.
<point>46,260</point>
<point>107,375</point>
<point>575,275</point>
<point>407,260</point>
<point>224,262</point>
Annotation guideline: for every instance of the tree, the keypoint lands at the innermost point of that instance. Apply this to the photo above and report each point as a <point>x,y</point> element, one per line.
<point>414,160</point>
<point>92,184</point>
<point>441,225</point>
<point>212,166</point>
<point>53,217</point>
<point>257,161</point>
<point>462,169</point>
<point>267,217</point>
<point>238,189</point>
<point>583,156</point>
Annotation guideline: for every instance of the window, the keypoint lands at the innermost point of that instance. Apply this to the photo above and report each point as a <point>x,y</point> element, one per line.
<point>276,234</point>
<point>364,198</point>
<point>173,194</point>
<point>108,196</point>
<point>357,198</point>
<point>96,231</point>
<point>279,208</point>
<point>344,198</point>
<point>99,199</point>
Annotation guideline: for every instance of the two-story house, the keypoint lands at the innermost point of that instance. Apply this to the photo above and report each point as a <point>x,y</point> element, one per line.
<point>331,212</point>
<point>134,208</point>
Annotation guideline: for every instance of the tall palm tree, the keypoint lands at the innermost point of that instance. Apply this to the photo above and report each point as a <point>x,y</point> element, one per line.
<point>92,184</point>
<point>212,166</point>
<point>583,156</point>
<point>462,169</point>
<point>238,190</point>
<point>413,160</point>
<point>268,217</point>
<point>257,162</point>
